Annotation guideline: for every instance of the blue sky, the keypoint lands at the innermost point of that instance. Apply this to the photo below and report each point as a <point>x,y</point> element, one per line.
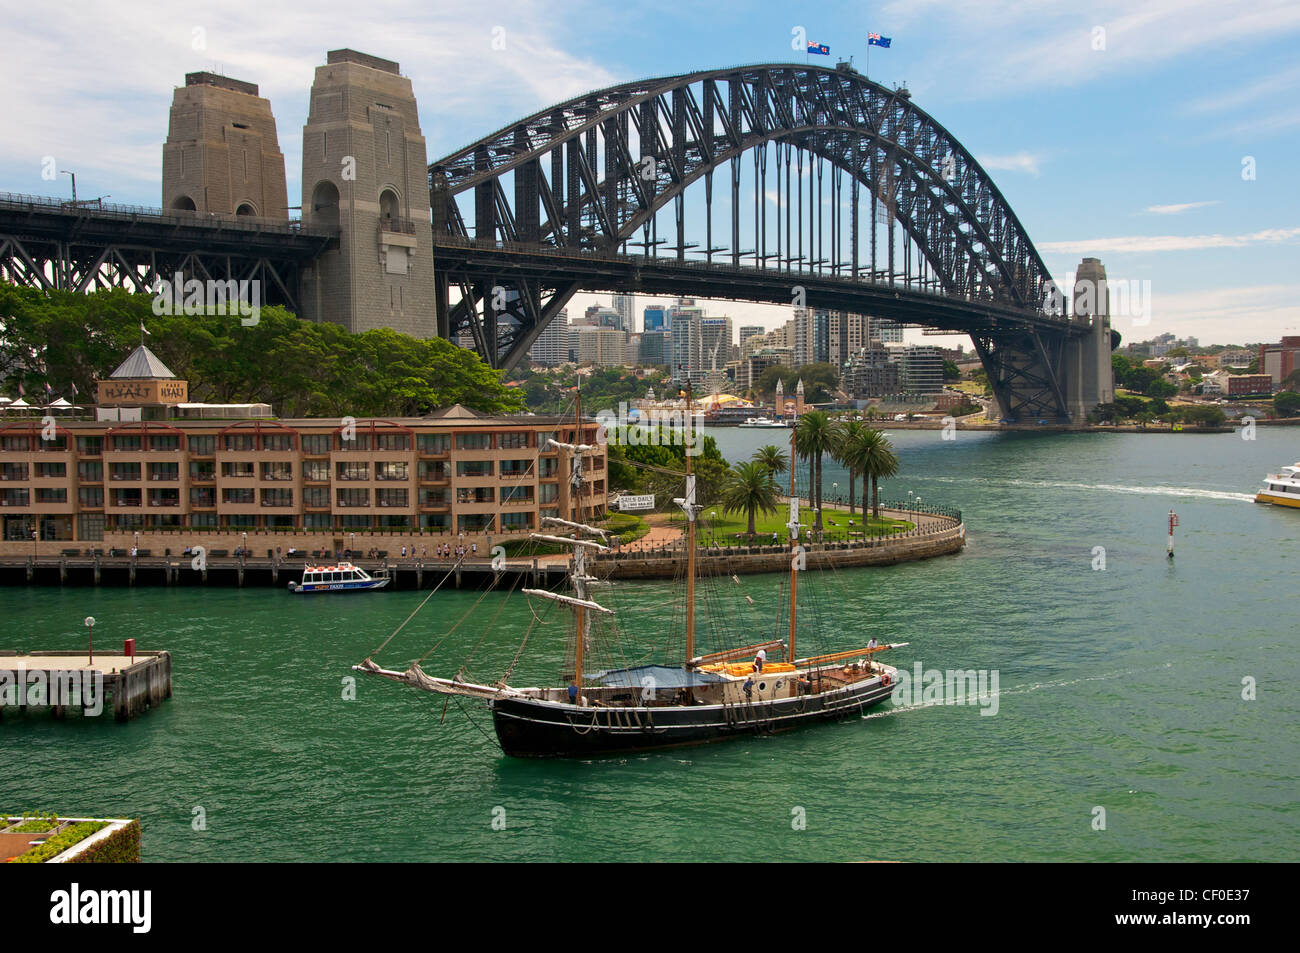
<point>1115,129</point>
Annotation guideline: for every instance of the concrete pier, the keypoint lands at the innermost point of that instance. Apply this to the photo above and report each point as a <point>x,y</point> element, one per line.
<point>128,686</point>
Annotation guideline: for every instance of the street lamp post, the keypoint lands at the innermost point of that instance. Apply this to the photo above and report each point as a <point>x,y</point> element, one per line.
<point>90,638</point>
<point>243,549</point>
<point>74,185</point>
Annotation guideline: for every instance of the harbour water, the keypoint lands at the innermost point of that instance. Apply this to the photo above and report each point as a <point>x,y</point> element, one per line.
<point>1119,688</point>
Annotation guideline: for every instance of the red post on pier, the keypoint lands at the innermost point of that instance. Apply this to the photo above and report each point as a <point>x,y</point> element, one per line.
<point>128,649</point>
<point>1173,521</point>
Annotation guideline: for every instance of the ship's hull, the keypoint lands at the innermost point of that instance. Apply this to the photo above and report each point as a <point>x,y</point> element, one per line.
<point>528,728</point>
<point>1277,499</point>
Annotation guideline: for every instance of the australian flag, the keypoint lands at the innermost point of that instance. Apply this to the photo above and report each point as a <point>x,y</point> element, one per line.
<point>819,49</point>
<point>875,39</point>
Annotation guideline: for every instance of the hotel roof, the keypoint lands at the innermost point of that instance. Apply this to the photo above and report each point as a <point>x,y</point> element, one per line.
<point>142,364</point>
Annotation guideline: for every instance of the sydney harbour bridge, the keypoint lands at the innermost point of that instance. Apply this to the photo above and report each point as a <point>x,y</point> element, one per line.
<point>786,184</point>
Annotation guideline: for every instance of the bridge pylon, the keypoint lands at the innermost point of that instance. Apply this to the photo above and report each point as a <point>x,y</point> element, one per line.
<point>364,173</point>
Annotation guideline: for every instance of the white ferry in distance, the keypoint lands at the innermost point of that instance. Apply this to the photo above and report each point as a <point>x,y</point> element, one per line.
<point>1282,489</point>
<point>343,576</point>
<point>762,422</point>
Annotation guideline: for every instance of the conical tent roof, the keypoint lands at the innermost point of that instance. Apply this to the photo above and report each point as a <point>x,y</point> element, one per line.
<point>142,363</point>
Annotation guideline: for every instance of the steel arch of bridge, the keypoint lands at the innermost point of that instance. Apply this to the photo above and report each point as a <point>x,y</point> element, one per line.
<point>554,201</point>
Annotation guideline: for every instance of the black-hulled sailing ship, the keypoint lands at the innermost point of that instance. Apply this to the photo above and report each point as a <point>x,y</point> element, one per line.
<point>759,688</point>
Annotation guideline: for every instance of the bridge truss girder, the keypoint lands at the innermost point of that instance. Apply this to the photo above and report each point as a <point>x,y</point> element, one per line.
<point>589,174</point>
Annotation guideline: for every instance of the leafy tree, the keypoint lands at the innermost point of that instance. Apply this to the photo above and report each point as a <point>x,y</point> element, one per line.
<point>950,371</point>
<point>847,454</point>
<point>1286,403</point>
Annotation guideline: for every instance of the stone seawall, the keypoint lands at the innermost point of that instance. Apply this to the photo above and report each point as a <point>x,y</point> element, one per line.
<point>883,551</point>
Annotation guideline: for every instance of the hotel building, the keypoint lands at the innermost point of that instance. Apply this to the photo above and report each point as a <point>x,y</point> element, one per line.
<point>160,466</point>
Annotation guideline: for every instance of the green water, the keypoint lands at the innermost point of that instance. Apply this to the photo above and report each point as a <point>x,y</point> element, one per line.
<point>1119,689</point>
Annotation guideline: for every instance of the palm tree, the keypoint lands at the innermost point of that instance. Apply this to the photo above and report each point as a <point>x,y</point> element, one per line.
<point>877,461</point>
<point>815,436</point>
<point>850,440</point>
<point>772,457</point>
<point>749,489</point>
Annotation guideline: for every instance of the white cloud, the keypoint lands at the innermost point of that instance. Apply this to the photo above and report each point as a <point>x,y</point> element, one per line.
<point>1000,46</point>
<point>1016,162</point>
<point>1159,243</point>
<point>1178,209</point>
<point>96,86</point>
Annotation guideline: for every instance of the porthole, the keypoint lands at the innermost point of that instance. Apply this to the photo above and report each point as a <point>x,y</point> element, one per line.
<point>762,686</point>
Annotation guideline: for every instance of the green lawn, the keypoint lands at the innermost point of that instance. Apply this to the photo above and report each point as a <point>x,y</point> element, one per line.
<point>725,528</point>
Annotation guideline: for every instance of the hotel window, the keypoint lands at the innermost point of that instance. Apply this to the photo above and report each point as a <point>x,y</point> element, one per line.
<point>548,467</point>
<point>277,496</point>
<point>126,443</point>
<point>353,522</point>
<point>354,471</point>
<point>516,493</point>
<point>434,521</point>
<point>90,446</point>
<point>549,513</point>
<point>433,471</point>
<point>164,497</point>
<point>90,471</point>
<point>359,441</point>
<point>238,494</point>
<point>202,496</point>
<point>13,471</point>
<point>475,522</point>
<point>433,442</point>
<point>473,441</point>
<point>203,520</point>
<point>433,497</point>
<point>90,526</point>
<point>515,467</point>
<point>127,497</point>
<point>277,441</point>
<point>542,437</point>
<point>474,468</point>
<point>548,493</point>
<point>49,494</point>
<point>14,497</point>
<point>517,440</point>
<point>316,444</point>
<point>204,446</point>
<point>124,471</point>
<point>240,471</point>
<point>316,471</point>
<point>242,521</point>
<point>318,521</point>
<point>475,494</point>
<point>354,497</point>
<point>241,442</point>
<point>391,498</point>
<point>164,471</point>
<point>516,522</point>
<point>277,471</point>
<point>17,444</point>
<point>389,470</point>
<point>169,441</point>
<point>316,496</point>
<point>392,441</point>
<point>203,471</point>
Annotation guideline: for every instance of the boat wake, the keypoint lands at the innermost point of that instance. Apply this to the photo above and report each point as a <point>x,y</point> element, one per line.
<point>1019,690</point>
<point>1177,491</point>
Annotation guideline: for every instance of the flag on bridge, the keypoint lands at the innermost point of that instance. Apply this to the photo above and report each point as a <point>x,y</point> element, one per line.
<point>819,49</point>
<point>875,39</point>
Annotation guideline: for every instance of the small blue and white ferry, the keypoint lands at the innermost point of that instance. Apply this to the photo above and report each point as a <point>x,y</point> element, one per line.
<point>342,576</point>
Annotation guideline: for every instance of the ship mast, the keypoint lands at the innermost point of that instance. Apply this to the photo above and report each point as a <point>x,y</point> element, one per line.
<point>793,526</point>
<point>579,552</point>
<point>690,535</point>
